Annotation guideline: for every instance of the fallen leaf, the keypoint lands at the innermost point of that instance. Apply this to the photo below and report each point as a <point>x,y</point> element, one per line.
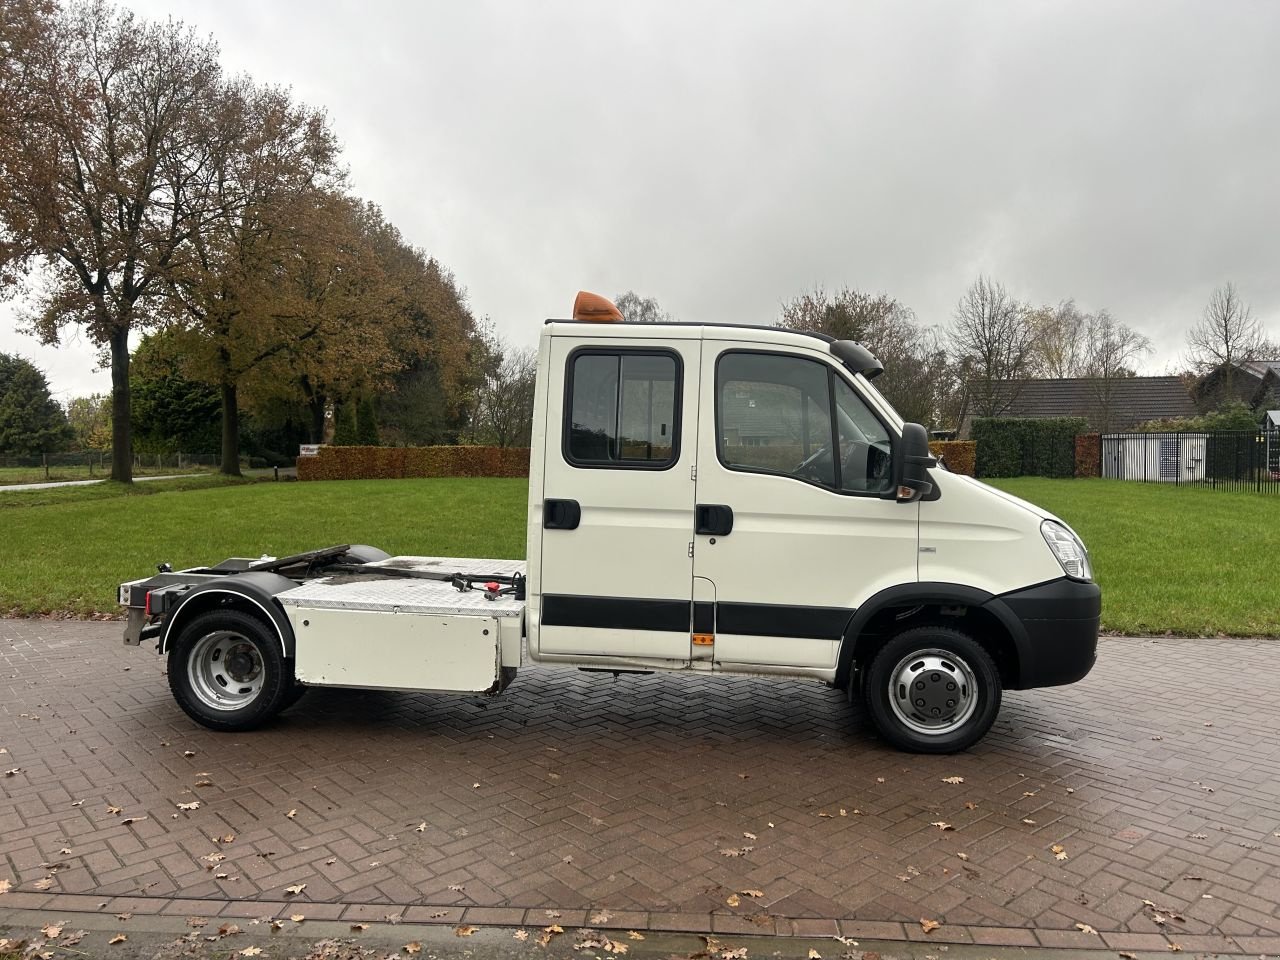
<point>124,916</point>
<point>953,779</point>
<point>942,825</point>
<point>1030,823</point>
<point>128,820</point>
<point>45,884</point>
<point>359,927</point>
<point>1125,955</point>
<point>412,948</point>
<point>879,779</point>
<point>204,783</point>
<point>1059,851</point>
<point>422,827</point>
<point>225,838</point>
<point>114,811</point>
<point>188,753</point>
<point>970,805</point>
<point>118,938</point>
<point>733,900</point>
<point>65,851</point>
<point>635,935</point>
<point>1177,947</point>
<point>1085,928</point>
<point>738,954</point>
<point>750,836</point>
<point>456,887</point>
<point>296,889</point>
<point>250,951</point>
<point>464,931</point>
<point>928,926</point>
<point>193,805</point>
<point>52,931</point>
<point>15,770</point>
<point>5,886</point>
<point>752,893</point>
<point>475,786</point>
<point>963,856</point>
<point>196,922</point>
<point>814,954</point>
<point>744,776</point>
<point>521,935</point>
<point>600,918</point>
<point>297,917</point>
<point>228,930</point>
<point>1199,836</point>
<point>292,813</point>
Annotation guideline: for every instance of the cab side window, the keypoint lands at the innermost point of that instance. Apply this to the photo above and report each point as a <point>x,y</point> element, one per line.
<point>773,415</point>
<point>623,409</point>
<point>791,416</point>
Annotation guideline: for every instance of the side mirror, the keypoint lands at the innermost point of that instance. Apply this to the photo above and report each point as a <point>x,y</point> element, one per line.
<point>911,464</point>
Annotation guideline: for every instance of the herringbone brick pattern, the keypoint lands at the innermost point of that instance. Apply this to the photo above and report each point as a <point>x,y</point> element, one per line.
<point>1159,776</point>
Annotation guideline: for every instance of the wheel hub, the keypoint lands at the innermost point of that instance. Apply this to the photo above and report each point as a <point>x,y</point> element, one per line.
<point>933,691</point>
<point>225,670</point>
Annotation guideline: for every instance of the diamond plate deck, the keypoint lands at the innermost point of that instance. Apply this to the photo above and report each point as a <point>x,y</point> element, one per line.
<point>396,594</point>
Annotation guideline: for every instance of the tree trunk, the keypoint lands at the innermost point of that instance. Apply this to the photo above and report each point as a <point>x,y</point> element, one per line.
<point>230,431</point>
<point>121,435</point>
<point>316,404</point>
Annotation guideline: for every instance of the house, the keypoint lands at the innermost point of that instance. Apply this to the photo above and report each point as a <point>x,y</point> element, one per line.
<point>1110,405</point>
<point>1255,383</point>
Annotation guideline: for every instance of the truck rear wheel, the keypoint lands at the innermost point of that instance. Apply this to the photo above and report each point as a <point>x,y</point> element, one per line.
<point>932,690</point>
<point>227,671</point>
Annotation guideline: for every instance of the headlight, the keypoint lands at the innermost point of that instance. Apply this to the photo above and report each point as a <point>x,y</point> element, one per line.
<point>1066,546</point>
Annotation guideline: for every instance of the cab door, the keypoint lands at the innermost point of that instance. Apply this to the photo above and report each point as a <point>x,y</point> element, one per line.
<point>617,513</point>
<point>795,522</point>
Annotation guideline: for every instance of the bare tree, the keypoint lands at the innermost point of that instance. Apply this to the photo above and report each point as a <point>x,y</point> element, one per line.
<point>1112,350</point>
<point>504,404</point>
<point>1227,335</point>
<point>1060,340</point>
<point>637,309</point>
<point>104,159</point>
<point>993,336</point>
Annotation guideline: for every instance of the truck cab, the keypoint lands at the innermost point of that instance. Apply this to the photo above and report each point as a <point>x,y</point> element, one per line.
<point>734,499</point>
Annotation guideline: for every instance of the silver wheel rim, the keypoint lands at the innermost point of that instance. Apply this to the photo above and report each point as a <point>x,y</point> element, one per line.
<point>933,692</point>
<point>226,670</point>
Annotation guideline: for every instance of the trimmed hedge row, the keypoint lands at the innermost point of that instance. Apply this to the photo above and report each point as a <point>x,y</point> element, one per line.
<point>959,454</point>
<point>1089,455</point>
<point>376,463</point>
<point>1014,447</point>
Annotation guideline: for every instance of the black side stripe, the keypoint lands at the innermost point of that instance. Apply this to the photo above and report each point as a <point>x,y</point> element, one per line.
<point>681,616</point>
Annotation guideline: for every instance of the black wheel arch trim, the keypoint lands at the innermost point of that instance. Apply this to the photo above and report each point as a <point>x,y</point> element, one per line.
<point>920,593</point>
<point>257,587</point>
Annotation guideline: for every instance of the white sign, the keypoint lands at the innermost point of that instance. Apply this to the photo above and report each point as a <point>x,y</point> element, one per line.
<point>309,449</point>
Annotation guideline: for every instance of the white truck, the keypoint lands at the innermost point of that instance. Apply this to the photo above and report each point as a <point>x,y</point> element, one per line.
<point>704,498</point>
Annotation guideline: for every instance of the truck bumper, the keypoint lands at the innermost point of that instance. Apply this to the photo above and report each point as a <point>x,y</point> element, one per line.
<point>1060,631</point>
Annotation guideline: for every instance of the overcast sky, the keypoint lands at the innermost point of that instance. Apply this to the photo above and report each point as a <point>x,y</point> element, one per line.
<point>723,157</point>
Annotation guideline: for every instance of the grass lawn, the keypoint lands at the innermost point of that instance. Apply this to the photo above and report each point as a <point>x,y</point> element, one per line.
<point>80,471</point>
<point>1170,559</point>
<point>70,552</point>
<point>1178,559</point>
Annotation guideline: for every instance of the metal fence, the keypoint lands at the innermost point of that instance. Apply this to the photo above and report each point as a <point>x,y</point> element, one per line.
<point>1221,460</point>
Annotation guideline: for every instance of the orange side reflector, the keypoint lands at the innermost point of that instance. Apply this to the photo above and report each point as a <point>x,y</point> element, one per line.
<point>595,308</point>
<point>703,639</point>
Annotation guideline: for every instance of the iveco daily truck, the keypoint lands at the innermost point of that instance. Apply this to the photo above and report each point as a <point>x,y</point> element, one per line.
<point>703,498</point>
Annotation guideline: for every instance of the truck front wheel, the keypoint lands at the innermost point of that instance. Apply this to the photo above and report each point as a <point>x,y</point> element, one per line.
<point>932,690</point>
<point>227,671</point>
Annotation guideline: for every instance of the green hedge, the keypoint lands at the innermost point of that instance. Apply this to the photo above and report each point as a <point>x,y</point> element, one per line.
<point>1014,447</point>
<point>373,463</point>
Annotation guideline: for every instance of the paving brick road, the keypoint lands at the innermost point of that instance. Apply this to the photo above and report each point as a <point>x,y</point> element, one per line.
<point>657,800</point>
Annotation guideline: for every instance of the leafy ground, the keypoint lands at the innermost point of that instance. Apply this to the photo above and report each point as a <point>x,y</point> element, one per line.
<point>1170,559</point>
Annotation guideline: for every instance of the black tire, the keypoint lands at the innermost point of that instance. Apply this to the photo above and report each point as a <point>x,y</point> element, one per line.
<point>950,705</point>
<point>227,671</point>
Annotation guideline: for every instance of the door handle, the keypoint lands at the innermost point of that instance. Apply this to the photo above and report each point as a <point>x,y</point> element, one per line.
<point>561,514</point>
<point>715,519</point>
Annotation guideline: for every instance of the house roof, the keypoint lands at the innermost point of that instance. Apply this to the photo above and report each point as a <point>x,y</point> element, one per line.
<point>1260,368</point>
<point>1131,400</point>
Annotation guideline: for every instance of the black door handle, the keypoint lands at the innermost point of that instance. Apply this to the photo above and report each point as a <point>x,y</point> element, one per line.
<point>715,519</point>
<point>561,514</point>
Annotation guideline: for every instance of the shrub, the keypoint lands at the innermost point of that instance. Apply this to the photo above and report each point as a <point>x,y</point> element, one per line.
<point>374,463</point>
<point>344,425</point>
<point>959,454</point>
<point>1014,447</point>
<point>1089,455</point>
<point>1233,416</point>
